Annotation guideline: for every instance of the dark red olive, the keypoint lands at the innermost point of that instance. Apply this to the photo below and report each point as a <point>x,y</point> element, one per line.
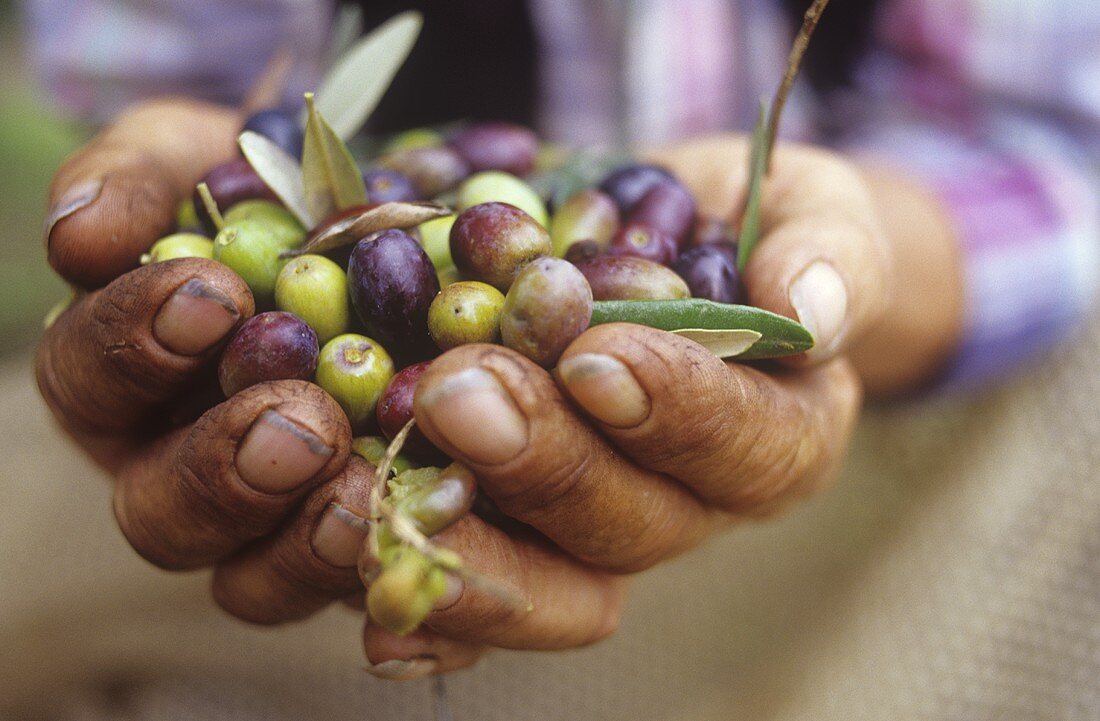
<point>268,347</point>
<point>278,126</point>
<point>385,185</point>
<point>710,272</point>
<point>497,146</point>
<point>395,409</point>
<point>230,183</point>
<point>669,208</point>
<point>629,183</point>
<point>642,241</point>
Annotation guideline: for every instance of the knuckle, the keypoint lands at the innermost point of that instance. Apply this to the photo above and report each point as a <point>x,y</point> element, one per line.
<point>544,489</point>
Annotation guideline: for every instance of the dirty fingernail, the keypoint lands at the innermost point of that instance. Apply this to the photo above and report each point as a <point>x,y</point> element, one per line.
<point>476,415</point>
<point>76,197</point>
<point>605,388</point>
<point>195,318</point>
<point>336,541</point>
<point>820,299</point>
<point>278,455</point>
<point>398,670</point>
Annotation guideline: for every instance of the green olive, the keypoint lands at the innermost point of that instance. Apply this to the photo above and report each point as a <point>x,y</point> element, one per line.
<point>252,249</point>
<point>354,370</point>
<point>435,238</point>
<point>413,138</point>
<point>179,245</point>
<point>315,289</point>
<point>373,448</point>
<point>279,220</point>
<point>465,312</point>
<point>403,594</point>
<point>186,217</point>
<point>494,186</point>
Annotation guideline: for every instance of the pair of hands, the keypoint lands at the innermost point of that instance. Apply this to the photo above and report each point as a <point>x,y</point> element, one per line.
<point>638,447</point>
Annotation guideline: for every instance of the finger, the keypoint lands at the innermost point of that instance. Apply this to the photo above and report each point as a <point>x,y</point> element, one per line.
<point>308,563</point>
<point>502,415</point>
<point>200,493</point>
<point>547,599</point>
<point>112,199</point>
<point>416,655</point>
<point>822,257</point>
<point>744,440</point>
<point>106,365</point>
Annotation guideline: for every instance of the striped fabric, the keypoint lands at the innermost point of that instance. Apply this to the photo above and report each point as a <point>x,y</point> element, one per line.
<point>996,103</point>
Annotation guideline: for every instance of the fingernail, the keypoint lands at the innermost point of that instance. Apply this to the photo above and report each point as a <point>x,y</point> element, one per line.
<point>451,593</point>
<point>398,670</point>
<point>337,542</point>
<point>605,388</point>
<point>195,318</point>
<point>820,299</point>
<point>76,197</point>
<point>278,455</point>
<point>477,416</point>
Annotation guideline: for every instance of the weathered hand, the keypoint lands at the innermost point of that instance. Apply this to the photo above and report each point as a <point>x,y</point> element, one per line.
<point>642,444</point>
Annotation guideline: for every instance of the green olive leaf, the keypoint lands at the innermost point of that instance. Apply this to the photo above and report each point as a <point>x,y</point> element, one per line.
<point>722,343</point>
<point>381,217</point>
<point>330,176</point>
<point>280,171</point>
<point>758,170</point>
<point>779,336</point>
<point>351,89</point>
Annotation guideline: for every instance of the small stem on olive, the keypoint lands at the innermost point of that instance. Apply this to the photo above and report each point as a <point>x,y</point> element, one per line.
<point>211,206</point>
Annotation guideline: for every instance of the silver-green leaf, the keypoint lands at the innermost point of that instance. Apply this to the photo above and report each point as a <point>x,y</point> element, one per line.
<point>330,176</point>
<point>727,343</point>
<point>356,227</point>
<point>280,171</point>
<point>354,84</point>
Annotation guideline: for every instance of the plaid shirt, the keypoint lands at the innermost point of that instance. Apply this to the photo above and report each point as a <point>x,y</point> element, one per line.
<point>995,103</point>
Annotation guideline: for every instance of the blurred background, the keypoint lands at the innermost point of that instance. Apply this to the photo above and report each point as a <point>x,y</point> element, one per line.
<point>34,139</point>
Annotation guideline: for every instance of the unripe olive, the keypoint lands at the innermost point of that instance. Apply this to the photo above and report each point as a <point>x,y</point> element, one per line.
<point>316,290</point>
<point>252,249</point>
<point>373,449</point>
<point>230,183</point>
<point>280,221</point>
<point>446,497</point>
<point>586,215</point>
<point>547,307</point>
<point>448,275</point>
<point>465,312</point>
<point>179,245</point>
<point>403,594</point>
<point>492,186</point>
<point>354,370</point>
<point>187,220</point>
<point>435,239</point>
<point>413,138</point>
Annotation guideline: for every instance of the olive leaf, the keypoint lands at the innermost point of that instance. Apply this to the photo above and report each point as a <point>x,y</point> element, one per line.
<point>765,132</point>
<point>280,171</point>
<point>722,343</point>
<point>351,89</point>
<point>381,217</point>
<point>779,336</point>
<point>331,179</point>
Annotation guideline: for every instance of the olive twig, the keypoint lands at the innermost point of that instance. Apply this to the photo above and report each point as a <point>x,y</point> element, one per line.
<point>404,529</point>
<point>211,206</point>
<point>794,62</point>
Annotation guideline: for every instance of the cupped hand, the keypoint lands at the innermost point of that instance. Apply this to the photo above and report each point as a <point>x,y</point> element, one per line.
<point>641,444</point>
<point>244,485</point>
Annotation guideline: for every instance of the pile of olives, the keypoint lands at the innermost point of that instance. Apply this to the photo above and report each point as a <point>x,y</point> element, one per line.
<point>365,320</point>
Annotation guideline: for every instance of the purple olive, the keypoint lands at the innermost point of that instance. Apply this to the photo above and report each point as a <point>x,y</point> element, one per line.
<point>388,186</point>
<point>230,183</point>
<point>669,208</point>
<point>491,242</point>
<point>627,184</point>
<point>709,229</point>
<point>621,277</point>
<point>392,284</point>
<point>497,146</point>
<point>395,409</point>
<point>547,307</point>
<point>710,272</point>
<point>641,241</point>
<point>279,127</point>
<point>583,250</point>
<point>268,347</point>
<point>433,170</point>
